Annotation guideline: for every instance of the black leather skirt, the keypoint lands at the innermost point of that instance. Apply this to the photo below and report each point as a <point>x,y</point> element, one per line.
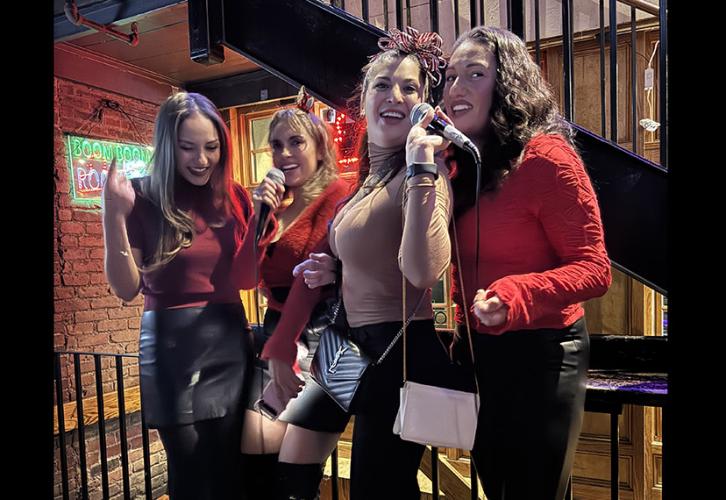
<point>312,409</point>
<point>194,363</point>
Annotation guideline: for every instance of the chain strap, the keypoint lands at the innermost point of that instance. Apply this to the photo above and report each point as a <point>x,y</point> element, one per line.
<point>466,313</point>
<point>402,330</point>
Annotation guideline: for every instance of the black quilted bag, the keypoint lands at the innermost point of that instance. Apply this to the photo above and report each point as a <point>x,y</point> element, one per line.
<point>338,364</point>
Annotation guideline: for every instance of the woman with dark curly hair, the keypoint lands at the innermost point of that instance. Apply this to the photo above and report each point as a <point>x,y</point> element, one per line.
<point>541,254</point>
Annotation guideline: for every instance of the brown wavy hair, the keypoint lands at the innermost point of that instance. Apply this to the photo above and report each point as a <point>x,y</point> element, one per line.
<point>176,226</point>
<point>356,105</point>
<point>523,106</point>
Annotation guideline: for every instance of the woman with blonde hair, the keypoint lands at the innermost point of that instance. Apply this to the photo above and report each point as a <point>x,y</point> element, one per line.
<point>303,149</point>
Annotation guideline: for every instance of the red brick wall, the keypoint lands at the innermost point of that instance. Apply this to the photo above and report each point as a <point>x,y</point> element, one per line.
<point>157,462</point>
<point>87,316</point>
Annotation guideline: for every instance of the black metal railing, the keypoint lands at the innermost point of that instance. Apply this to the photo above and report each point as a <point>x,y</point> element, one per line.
<point>81,427</point>
<point>630,355</point>
<point>515,22</point>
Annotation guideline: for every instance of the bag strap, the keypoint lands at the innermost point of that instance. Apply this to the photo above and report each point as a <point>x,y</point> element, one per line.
<point>466,316</point>
<point>402,331</point>
<point>463,299</point>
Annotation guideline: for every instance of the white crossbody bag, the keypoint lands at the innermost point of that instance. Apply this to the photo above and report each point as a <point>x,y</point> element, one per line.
<point>438,416</point>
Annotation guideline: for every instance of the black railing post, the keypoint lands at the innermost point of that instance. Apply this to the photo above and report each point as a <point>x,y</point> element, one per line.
<point>61,425</point>
<point>399,15</point>
<point>81,426</point>
<point>147,453</point>
<point>456,19</point>
<point>515,10</point>
<point>473,480</point>
<point>634,79</point>
<point>537,49</point>
<point>334,472</point>
<point>101,426</point>
<point>434,13</point>
<point>408,12</point>
<point>567,58</point>
<point>472,13</point>
<point>122,426</point>
<point>435,473</point>
<point>364,10</point>
<point>613,71</point>
<point>603,113</point>
<point>385,14</point>
<point>663,82</point>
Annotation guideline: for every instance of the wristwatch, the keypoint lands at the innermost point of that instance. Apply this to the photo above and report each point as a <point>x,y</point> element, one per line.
<point>422,168</point>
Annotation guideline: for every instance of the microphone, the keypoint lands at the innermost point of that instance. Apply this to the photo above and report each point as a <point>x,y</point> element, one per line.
<point>278,177</point>
<point>440,127</point>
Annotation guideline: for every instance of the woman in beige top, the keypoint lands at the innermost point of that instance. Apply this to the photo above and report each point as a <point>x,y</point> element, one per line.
<point>392,230</point>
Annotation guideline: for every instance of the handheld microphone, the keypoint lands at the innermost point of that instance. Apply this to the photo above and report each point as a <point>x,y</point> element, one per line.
<point>278,177</point>
<point>440,127</point>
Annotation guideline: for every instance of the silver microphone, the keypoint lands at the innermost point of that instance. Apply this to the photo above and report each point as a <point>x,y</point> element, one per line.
<point>440,127</point>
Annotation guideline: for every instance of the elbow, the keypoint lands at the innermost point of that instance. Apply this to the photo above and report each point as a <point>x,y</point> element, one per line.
<point>421,280</point>
<point>606,276</point>
<point>426,274</point>
<point>600,277</point>
<point>125,294</point>
<point>124,288</point>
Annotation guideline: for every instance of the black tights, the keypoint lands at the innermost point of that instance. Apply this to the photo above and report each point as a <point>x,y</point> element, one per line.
<point>203,458</point>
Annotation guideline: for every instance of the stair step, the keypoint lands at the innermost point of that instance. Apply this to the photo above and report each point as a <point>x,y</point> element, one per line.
<point>450,480</point>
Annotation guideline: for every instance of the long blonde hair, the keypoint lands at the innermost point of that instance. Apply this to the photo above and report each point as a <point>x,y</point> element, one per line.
<point>176,227</point>
<point>327,171</point>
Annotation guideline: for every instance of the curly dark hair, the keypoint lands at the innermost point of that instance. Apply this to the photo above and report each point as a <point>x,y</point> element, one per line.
<point>522,106</point>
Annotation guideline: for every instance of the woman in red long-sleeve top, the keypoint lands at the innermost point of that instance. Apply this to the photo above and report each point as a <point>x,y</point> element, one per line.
<point>541,253</point>
<point>302,147</point>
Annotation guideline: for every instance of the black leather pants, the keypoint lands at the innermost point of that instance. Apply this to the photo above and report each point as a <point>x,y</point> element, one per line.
<point>533,386</point>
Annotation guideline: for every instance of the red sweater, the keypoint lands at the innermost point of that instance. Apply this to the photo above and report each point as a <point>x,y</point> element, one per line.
<point>299,240</point>
<point>542,249</point>
<point>214,268</point>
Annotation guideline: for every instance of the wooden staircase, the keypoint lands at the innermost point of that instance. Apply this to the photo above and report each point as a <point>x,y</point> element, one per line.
<point>454,481</point>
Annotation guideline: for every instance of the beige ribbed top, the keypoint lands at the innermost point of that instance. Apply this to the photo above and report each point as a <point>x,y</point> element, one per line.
<point>369,237</point>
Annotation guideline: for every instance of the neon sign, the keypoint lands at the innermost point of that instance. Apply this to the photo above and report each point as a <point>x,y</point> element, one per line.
<point>89,159</point>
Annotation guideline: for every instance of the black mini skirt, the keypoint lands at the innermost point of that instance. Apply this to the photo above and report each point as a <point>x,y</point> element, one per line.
<point>194,363</point>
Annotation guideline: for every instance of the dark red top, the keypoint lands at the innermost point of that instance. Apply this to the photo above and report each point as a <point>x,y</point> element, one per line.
<point>542,249</point>
<point>214,268</point>
<point>299,240</point>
